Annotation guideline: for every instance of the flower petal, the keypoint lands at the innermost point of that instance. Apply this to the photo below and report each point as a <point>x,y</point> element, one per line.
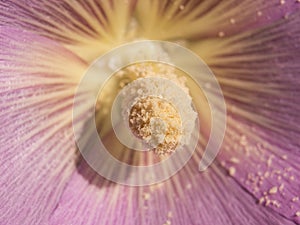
<point>270,172</point>
<point>189,197</point>
<point>88,28</point>
<point>212,198</point>
<point>38,152</point>
<point>194,20</point>
<point>259,73</point>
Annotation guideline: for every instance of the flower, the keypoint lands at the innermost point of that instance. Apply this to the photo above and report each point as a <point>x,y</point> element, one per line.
<point>251,46</point>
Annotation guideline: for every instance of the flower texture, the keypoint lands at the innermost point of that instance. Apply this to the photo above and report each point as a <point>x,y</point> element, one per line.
<point>253,48</point>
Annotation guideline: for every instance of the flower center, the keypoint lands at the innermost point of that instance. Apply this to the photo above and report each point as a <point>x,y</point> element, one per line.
<point>157,122</point>
<point>153,109</point>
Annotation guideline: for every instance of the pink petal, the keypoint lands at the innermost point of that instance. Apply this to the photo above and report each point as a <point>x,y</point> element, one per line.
<point>87,27</point>
<point>197,20</point>
<point>268,171</point>
<point>38,152</point>
<point>189,197</point>
<point>260,79</point>
<point>91,27</point>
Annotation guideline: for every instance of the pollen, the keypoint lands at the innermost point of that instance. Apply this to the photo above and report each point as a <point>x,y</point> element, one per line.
<point>259,13</point>
<point>232,21</point>
<point>234,160</point>
<point>157,122</point>
<point>156,109</point>
<point>232,171</point>
<point>273,190</point>
<point>181,7</point>
<point>146,196</point>
<point>221,34</point>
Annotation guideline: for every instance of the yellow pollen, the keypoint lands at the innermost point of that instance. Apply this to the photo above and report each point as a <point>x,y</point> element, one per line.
<point>168,222</point>
<point>146,196</point>
<point>281,187</point>
<point>234,160</point>
<point>273,190</point>
<point>221,34</point>
<point>231,171</point>
<point>157,122</point>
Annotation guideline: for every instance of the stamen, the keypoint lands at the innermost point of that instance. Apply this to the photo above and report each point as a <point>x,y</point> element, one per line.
<point>157,122</point>
<point>153,110</point>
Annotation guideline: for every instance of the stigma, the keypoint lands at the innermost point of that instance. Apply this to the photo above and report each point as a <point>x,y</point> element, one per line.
<point>157,122</point>
<point>155,107</point>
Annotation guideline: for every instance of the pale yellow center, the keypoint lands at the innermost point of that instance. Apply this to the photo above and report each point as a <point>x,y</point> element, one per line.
<point>157,122</point>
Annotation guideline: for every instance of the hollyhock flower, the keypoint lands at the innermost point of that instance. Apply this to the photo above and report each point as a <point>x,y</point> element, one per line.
<point>252,47</point>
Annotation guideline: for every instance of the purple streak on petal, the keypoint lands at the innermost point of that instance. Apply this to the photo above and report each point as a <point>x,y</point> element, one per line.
<point>267,171</point>
<point>213,198</point>
<point>90,199</point>
<point>268,12</point>
<point>187,198</point>
<point>37,151</point>
<point>68,21</point>
<point>260,80</point>
<point>201,20</point>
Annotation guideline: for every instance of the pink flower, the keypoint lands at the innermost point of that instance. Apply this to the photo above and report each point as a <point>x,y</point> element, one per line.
<point>253,47</point>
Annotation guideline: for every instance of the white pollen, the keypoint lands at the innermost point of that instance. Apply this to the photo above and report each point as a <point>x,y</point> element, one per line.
<point>221,34</point>
<point>269,162</point>
<point>273,190</point>
<point>281,187</point>
<point>158,111</point>
<point>261,200</point>
<point>275,203</point>
<point>146,196</point>
<point>231,171</point>
<point>158,129</point>
<point>232,21</point>
<point>267,174</point>
<point>156,122</point>
<point>234,160</point>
